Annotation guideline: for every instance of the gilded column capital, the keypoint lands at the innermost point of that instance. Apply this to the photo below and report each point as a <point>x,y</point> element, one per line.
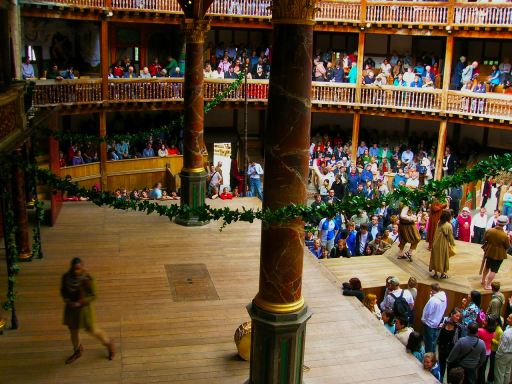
<point>294,11</point>
<point>195,30</point>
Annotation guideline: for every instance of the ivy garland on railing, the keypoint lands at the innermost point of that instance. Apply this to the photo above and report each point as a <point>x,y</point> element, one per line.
<point>11,251</point>
<point>61,135</point>
<point>429,192</point>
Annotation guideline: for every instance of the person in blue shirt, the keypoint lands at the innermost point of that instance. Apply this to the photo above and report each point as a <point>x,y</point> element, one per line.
<point>398,178</point>
<point>479,88</point>
<point>367,174</point>
<point>148,151</point>
<point>374,150</point>
<point>494,78</point>
<point>353,180</point>
<point>361,149</point>
<point>407,155</point>
<point>255,171</point>
<point>420,69</point>
<point>351,238</point>
<point>316,249</point>
<point>430,364</point>
<point>156,192</point>
<point>327,231</point>
<point>417,83</point>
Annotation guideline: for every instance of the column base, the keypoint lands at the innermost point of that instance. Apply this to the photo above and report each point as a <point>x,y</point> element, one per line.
<point>24,257</point>
<point>277,345</point>
<point>193,193</point>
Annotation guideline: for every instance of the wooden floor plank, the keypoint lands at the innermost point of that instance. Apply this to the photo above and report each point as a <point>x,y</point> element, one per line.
<point>163,341</point>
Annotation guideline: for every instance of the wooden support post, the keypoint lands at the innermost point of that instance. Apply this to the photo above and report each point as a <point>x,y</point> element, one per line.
<point>104,60</point>
<point>355,137</point>
<point>103,151</point>
<point>448,61</point>
<point>360,61</point>
<point>443,130</point>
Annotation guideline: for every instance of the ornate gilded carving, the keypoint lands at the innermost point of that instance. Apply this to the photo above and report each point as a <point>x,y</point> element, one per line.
<point>195,30</point>
<point>294,11</point>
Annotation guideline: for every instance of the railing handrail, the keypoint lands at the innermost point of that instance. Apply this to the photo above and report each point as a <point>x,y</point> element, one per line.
<point>489,95</point>
<point>68,81</point>
<point>409,3</point>
<point>333,84</point>
<point>150,80</point>
<point>482,5</point>
<point>404,89</point>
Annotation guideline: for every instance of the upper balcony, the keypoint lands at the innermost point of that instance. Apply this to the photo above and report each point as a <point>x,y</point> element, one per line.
<point>85,96</point>
<point>365,15</point>
<point>12,115</point>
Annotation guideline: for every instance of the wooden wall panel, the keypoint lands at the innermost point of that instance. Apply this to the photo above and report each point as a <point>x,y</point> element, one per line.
<point>79,171</point>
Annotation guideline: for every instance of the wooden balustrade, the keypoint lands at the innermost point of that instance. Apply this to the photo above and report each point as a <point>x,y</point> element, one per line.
<point>407,13</point>
<point>401,97</point>
<point>257,8</point>
<point>336,10</point>
<point>401,12</point>
<point>490,105</point>
<point>148,5</point>
<point>333,93</point>
<point>70,3</point>
<point>48,92</point>
<point>483,14</point>
<point>145,89</point>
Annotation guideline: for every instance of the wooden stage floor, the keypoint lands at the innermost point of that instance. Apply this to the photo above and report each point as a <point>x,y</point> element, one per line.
<point>164,341</point>
<point>464,268</point>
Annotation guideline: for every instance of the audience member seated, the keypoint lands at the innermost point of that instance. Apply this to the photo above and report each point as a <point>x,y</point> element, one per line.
<point>148,151</point>
<point>77,159</point>
<point>177,73</point>
<point>54,73</point>
<point>130,74</point>
<point>135,195</point>
<point>145,74</point>
<point>27,70</point>
<point>122,149</point>
<point>162,152</point>
<point>316,249</point>
<point>90,152</point>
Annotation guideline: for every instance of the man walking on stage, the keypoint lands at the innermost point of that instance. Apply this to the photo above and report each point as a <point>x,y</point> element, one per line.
<point>495,251</point>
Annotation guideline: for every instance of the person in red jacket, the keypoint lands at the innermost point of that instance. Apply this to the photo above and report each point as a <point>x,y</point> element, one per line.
<point>155,68</point>
<point>225,195</point>
<point>118,71</point>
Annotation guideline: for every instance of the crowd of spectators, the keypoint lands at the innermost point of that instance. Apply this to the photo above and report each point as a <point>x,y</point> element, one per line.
<point>377,171</point>
<point>470,342</point>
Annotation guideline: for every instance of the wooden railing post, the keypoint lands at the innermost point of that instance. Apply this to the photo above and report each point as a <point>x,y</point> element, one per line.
<point>103,151</point>
<point>363,11</point>
<point>447,75</point>
<point>360,61</point>
<point>443,130</point>
<point>450,18</point>
<point>104,59</point>
<point>355,138</point>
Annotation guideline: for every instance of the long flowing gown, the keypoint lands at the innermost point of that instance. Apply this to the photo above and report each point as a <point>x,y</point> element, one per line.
<point>439,255</point>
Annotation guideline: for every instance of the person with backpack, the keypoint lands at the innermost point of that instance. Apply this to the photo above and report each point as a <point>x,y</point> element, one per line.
<point>469,353</point>
<point>432,315</point>
<point>398,300</point>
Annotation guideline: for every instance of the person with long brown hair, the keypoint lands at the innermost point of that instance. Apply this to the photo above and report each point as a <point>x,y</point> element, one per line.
<point>443,240</point>
<point>79,290</point>
<point>436,209</point>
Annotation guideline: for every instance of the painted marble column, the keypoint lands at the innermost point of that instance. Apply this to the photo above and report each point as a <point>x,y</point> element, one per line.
<point>193,175</point>
<point>279,312</point>
<point>19,208</point>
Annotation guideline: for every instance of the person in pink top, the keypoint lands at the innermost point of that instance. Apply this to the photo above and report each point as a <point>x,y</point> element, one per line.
<point>225,195</point>
<point>486,333</point>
